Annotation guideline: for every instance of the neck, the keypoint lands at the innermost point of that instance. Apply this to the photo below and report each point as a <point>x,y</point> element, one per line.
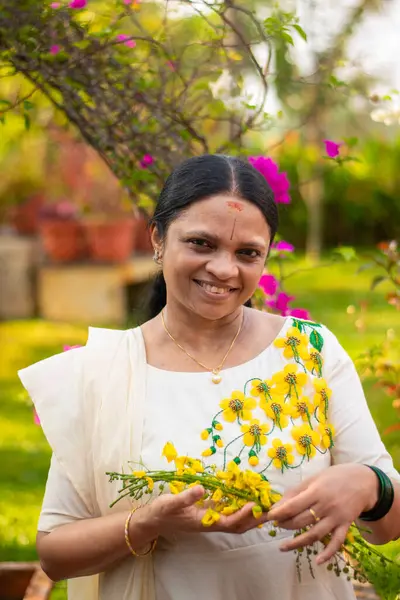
<point>194,331</point>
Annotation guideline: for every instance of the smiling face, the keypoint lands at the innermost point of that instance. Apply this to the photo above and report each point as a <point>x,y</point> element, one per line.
<point>213,255</point>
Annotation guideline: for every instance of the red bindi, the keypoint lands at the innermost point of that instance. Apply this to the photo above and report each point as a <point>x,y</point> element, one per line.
<point>235,205</point>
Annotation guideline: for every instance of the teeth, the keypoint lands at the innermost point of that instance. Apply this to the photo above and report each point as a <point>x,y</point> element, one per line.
<point>214,289</point>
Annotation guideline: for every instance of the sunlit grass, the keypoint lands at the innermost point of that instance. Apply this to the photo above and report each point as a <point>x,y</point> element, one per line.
<point>24,452</point>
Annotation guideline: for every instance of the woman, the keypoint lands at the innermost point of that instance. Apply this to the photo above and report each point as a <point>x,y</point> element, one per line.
<point>212,375</point>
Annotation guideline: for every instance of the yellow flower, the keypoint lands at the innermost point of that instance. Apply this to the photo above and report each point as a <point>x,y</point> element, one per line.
<point>321,398</point>
<point>176,487</point>
<point>230,509</point>
<point>180,462</point>
<point>313,362</point>
<point>150,483</point>
<point>139,474</point>
<point>237,407</point>
<point>278,411</point>
<point>327,432</point>
<point>257,511</point>
<point>301,407</point>
<point>210,517</point>
<point>349,538</point>
<point>261,389</point>
<point>169,452</point>
<point>217,495</point>
<point>255,434</point>
<point>306,440</point>
<point>294,344</point>
<point>289,380</point>
<point>281,454</point>
<point>196,465</point>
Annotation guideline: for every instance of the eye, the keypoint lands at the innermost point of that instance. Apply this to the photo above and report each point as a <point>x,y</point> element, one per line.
<point>199,243</point>
<point>250,253</point>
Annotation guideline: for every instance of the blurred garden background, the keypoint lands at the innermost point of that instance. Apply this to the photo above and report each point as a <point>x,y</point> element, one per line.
<point>100,99</point>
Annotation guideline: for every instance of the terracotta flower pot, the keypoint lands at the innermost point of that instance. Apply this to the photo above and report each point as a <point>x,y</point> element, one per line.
<point>25,217</point>
<point>24,581</point>
<point>142,235</point>
<point>63,240</point>
<point>110,241</point>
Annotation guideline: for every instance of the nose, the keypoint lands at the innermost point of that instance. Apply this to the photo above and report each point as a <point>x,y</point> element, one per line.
<point>222,266</point>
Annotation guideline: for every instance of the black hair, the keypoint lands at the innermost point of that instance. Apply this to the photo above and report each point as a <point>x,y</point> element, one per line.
<point>199,178</point>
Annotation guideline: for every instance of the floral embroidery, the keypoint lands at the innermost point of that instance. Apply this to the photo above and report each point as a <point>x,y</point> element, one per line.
<point>284,401</point>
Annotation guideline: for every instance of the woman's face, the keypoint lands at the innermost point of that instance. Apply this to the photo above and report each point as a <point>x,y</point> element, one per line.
<point>214,254</point>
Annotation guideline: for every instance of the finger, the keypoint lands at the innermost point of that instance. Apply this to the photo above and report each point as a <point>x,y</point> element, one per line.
<point>304,519</point>
<point>312,535</point>
<point>187,498</point>
<point>288,509</point>
<point>335,544</point>
<point>239,521</point>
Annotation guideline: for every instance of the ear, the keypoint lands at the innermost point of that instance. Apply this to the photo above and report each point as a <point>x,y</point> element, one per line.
<point>155,238</point>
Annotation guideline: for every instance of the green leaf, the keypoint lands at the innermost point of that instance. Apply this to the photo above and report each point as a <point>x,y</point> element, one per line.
<point>298,324</point>
<point>377,280</point>
<point>365,267</point>
<point>348,253</point>
<point>351,142</point>
<point>28,105</point>
<point>27,121</point>
<point>300,31</point>
<point>316,340</point>
<point>5,104</point>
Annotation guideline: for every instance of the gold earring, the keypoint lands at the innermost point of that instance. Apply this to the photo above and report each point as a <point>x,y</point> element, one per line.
<point>157,257</point>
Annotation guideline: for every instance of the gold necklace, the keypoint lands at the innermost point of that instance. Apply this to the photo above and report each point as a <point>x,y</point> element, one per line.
<point>216,377</point>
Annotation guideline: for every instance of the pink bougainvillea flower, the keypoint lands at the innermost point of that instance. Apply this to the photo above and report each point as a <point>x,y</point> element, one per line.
<point>55,49</point>
<point>280,303</point>
<point>278,182</point>
<point>36,419</point>
<point>122,37</point>
<point>146,161</point>
<point>269,284</point>
<point>78,4</point>
<point>283,246</point>
<point>299,313</point>
<point>332,148</point>
<point>55,5</point>
<point>171,65</point>
<point>66,348</point>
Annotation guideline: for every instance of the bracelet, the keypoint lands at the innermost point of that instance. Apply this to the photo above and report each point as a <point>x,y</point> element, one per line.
<point>128,542</point>
<point>385,497</point>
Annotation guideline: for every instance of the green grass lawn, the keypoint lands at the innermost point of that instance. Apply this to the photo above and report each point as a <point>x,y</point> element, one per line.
<point>25,455</point>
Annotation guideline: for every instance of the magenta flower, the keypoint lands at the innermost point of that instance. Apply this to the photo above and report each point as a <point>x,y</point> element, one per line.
<point>269,284</point>
<point>122,37</point>
<point>55,5</point>
<point>55,49</point>
<point>299,313</point>
<point>127,2</point>
<point>332,148</point>
<point>283,246</point>
<point>278,182</point>
<point>36,419</point>
<point>78,4</point>
<point>281,303</point>
<point>146,161</point>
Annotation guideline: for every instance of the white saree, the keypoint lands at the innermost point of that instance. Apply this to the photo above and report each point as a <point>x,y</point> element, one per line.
<point>81,396</point>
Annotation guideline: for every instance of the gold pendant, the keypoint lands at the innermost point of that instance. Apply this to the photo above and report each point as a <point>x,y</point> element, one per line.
<point>216,378</point>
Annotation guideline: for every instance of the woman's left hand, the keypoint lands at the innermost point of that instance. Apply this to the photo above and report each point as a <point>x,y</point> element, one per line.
<point>330,502</point>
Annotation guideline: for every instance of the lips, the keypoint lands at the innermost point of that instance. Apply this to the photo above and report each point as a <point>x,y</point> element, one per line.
<point>213,288</point>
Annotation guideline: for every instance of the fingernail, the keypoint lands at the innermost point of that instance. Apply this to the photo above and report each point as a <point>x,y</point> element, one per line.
<point>283,548</point>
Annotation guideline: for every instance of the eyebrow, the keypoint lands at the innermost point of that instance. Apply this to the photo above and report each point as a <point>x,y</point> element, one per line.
<point>215,239</point>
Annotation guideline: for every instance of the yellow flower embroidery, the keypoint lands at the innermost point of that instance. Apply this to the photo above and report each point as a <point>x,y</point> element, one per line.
<point>278,411</point>
<point>306,440</point>
<point>289,381</point>
<point>261,389</point>
<point>301,407</point>
<point>327,432</point>
<point>237,407</point>
<point>281,454</point>
<point>255,434</point>
<point>314,362</point>
<point>295,344</point>
<point>321,398</point>
<point>169,452</point>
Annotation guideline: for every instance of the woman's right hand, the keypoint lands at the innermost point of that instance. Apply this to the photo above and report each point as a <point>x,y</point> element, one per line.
<point>170,513</point>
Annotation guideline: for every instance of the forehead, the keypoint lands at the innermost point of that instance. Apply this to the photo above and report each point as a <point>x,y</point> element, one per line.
<point>217,214</point>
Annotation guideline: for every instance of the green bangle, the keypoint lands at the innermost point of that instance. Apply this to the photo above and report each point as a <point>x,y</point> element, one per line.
<point>385,497</point>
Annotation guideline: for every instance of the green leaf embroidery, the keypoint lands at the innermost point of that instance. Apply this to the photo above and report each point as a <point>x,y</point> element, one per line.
<point>316,340</point>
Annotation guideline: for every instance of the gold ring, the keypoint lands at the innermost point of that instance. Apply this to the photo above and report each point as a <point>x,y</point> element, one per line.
<point>314,514</point>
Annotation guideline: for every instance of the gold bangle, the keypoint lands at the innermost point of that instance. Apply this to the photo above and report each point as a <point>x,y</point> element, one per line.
<point>128,542</point>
